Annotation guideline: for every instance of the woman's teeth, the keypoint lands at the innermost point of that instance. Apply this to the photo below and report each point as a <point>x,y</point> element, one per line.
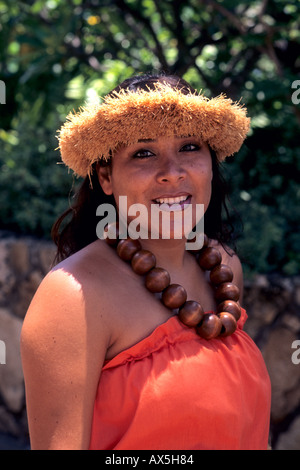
<point>171,200</point>
<point>171,204</point>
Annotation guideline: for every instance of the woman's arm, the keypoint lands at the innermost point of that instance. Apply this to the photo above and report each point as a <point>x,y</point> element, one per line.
<point>63,346</point>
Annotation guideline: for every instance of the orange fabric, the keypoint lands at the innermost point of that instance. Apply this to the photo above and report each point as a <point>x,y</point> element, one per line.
<point>174,390</point>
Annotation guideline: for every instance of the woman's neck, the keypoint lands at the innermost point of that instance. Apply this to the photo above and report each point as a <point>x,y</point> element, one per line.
<point>170,254</point>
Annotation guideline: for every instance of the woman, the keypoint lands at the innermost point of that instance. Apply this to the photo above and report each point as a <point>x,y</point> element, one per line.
<point>122,347</point>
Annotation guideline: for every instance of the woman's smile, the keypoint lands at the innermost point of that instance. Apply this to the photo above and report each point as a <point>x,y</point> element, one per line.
<point>173,203</point>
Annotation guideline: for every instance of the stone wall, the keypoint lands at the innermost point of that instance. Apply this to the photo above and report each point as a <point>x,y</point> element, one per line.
<point>273,307</point>
<point>272,303</point>
<point>23,264</point>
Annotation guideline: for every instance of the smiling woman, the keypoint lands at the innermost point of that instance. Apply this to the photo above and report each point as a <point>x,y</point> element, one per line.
<point>138,342</point>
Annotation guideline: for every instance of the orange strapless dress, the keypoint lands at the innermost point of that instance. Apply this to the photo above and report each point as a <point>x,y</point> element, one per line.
<point>176,391</point>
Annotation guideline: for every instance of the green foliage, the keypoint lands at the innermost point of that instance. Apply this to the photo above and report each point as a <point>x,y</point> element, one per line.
<point>55,55</point>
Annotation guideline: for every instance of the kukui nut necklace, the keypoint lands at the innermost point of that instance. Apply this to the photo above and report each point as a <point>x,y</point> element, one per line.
<point>174,296</point>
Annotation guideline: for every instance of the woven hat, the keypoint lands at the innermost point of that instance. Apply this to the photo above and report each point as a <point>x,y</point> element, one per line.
<point>126,116</point>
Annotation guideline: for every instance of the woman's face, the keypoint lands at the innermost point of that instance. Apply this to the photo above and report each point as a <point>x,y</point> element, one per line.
<point>169,173</point>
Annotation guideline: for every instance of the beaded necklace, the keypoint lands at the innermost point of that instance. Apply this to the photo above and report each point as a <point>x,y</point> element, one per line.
<point>174,296</point>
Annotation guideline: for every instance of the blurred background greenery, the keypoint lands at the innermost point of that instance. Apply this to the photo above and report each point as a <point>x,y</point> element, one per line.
<point>56,55</point>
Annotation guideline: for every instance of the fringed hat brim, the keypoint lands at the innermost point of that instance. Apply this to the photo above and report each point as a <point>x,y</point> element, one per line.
<point>125,117</point>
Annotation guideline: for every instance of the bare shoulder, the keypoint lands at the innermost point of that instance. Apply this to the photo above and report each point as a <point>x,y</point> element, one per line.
<point>230,258</point>
<point>65,299</point>
<point>66,305</point>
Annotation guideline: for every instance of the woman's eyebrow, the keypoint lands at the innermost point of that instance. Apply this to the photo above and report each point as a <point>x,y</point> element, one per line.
<point>147,140</point>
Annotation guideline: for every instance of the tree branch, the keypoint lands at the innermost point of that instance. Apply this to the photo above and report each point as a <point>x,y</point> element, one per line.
<point>163,20</point>
<point>227,14</point>
<point>140,18</point>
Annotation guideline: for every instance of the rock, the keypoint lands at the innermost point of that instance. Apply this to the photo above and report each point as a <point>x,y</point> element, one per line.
<point>19,257</point>
<point>292,322</point>
<point>7,422</point>
<point>297,295</point>
<point>25,292</point>
<point>290,440</point>
<point>261,281</point>
<point>284,375</point>
<point>261,312</point>
<point>47,254</point>
<point>6,277</point>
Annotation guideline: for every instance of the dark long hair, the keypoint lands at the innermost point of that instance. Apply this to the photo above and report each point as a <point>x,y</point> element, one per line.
<point>76,227</point>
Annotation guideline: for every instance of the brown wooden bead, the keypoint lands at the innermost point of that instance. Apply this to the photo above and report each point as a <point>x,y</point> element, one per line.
<point>210,327</point>
<point>157,280</point>
<point>230,306</point>
<point>142,261</point>
<point>174,296</point>
<point>191,313</point>
<point>221,273</point>
<point>229,324</point>
<point>127,248</point>
<point>227,291</point>
<point>111,233</point>
<point>209,258</point>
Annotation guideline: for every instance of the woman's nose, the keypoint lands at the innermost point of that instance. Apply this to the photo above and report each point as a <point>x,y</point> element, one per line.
<point>171,171</point>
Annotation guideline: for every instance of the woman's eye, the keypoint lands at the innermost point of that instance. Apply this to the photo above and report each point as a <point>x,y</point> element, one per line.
<point>190,148</point>
<point>143,153</point>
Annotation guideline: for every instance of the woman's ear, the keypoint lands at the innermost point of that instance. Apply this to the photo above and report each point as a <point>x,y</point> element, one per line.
<point>104,177</point>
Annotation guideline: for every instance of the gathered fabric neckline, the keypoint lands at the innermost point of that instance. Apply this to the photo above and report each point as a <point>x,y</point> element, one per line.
<point>172,330</point>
